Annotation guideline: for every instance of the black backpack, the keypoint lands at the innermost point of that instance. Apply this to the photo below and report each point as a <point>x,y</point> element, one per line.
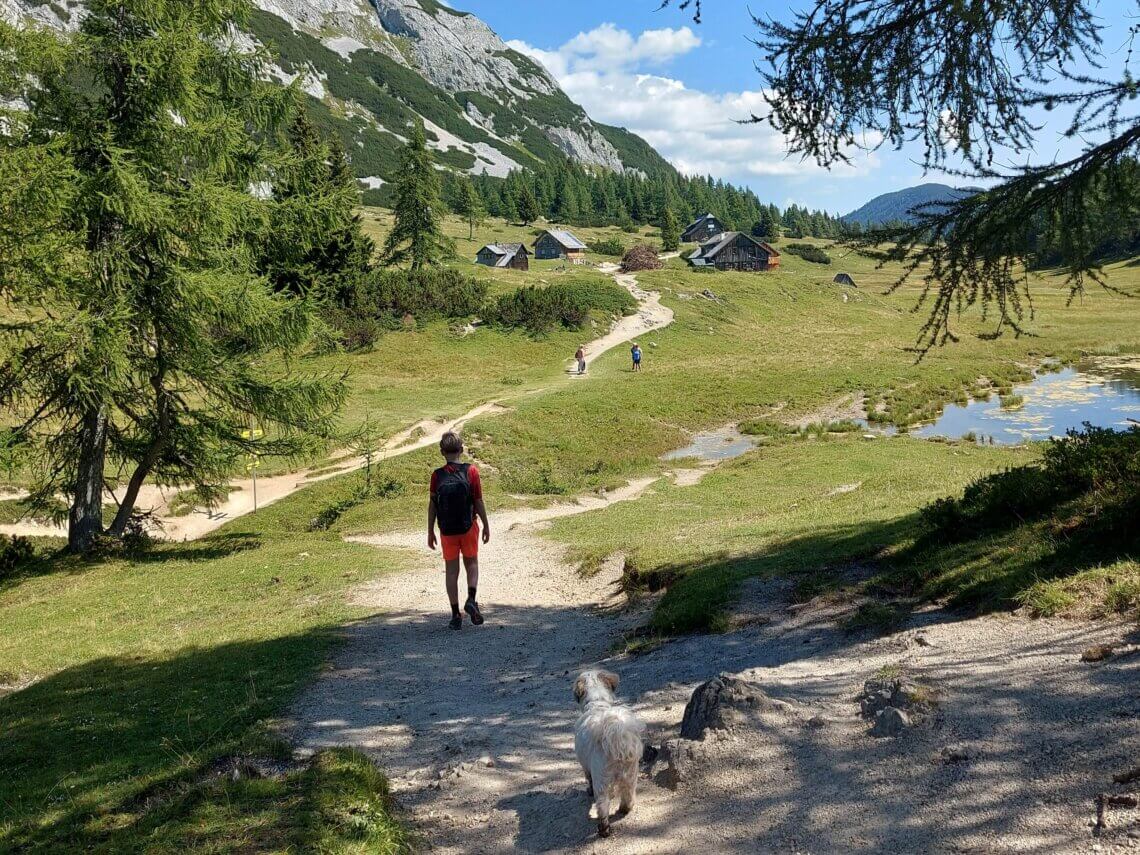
<point>454,505</point>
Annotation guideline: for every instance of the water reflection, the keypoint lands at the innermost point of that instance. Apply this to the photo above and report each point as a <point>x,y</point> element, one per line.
<point>1104,392</point>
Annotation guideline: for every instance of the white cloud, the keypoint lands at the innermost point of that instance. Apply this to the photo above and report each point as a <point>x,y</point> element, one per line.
<point>699,132</point>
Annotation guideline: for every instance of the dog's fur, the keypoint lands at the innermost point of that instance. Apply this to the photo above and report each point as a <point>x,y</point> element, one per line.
<point>608,742</point>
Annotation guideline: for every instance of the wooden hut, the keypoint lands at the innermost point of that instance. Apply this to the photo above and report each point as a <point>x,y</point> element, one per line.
<point>703,228</point>
<point>844,279</point>
<point>559,243</point>
<point>735,251</point>
<point>512,255</point>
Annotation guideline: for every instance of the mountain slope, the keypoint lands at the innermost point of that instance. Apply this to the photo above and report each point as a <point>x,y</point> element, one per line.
<point>368,67</point>
<point>893,207</point>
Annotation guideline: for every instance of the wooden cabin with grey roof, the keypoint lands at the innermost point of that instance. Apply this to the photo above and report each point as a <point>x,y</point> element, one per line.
<point>559,243</point>
<point>513,255</point>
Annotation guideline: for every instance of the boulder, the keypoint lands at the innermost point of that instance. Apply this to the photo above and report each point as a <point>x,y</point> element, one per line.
<point>890,722</point>
<point>899,692</point>
<point>723,703</point>
<point>675,761</point>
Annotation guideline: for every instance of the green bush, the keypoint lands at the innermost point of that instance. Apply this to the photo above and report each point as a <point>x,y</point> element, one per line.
<point>538,310</point>
<point>808,252</point>
<point>1100,463</point>
<point>14,552</point>
<point>372,487</point>
<point>423,294</point>
<point>609,246</point>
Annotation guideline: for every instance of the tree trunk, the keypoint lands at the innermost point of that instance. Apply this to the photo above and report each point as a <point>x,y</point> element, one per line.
<point>85,519</point>
<point>138,477</point>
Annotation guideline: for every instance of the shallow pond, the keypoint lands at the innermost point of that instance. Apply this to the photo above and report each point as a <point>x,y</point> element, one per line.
<point>1104,392</point>
<point>722,444</point>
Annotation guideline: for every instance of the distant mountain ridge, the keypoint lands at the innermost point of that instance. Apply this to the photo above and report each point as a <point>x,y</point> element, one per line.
<point>368,67</point>
<point>899,205</point>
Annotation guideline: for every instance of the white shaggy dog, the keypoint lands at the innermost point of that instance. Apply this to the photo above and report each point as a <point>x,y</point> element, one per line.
<point>607,740</point>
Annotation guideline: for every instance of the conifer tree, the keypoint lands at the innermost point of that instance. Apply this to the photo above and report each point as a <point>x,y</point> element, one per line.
<point>417,235</point>
<point>527,206</point>
<point>670,231</point>
<point>128,243</point>
<point>469,205</point>
<point>315,245</point>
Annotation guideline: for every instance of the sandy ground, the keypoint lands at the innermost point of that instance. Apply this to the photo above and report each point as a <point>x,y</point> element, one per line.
<point>651,315</point>
<point>475,727</point>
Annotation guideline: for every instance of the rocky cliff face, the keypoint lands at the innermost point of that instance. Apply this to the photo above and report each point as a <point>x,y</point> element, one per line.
<point>486,107</point>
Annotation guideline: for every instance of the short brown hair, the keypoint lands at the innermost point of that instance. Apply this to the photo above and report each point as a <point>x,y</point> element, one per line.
<point>450,443</point>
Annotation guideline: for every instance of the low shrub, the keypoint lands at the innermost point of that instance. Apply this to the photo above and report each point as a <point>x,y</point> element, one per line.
<point>15,551</point>
<point>608,246</point>
<point>371,487</point>
<point>631,228</point>
<point>641,257</point>
<point>358,333</point>
<point>423,294</point>
<point>808,252</point>
<point>538,310</point>
<point>1101,463</point>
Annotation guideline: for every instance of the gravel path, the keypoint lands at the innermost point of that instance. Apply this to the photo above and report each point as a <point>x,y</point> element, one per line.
<point>475,727</point>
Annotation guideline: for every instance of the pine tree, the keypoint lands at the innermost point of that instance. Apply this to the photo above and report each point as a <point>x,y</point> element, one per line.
<point>417,235</point>
<point>670,231</point>
<point>527,206</point>
<point>469,205</point>
<point>149,340</point>
<point>315,245</point>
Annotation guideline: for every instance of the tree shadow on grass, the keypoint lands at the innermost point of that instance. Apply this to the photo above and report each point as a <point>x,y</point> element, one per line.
<point>107,754</point>
<point>57,561</point>
<point>884,560</point>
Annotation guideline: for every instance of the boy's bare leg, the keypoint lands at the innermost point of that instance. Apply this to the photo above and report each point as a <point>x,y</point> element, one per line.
<point>471,606</point>
<point>452,570</point>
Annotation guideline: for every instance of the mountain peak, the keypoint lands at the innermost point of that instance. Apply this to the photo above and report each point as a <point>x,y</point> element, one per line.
<point>901,204</point>
<point>369,67</point>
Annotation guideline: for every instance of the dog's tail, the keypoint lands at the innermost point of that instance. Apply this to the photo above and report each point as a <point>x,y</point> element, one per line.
<point>624,740</point>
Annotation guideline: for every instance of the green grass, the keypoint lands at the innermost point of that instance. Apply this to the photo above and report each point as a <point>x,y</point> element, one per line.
<point>779,347</point>
<point>776,510</point>
<point>150,670</point>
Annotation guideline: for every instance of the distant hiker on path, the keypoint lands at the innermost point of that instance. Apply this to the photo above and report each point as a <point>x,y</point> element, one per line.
<point>635,352</point>
<point>456,500</point>
<point>580,355</point>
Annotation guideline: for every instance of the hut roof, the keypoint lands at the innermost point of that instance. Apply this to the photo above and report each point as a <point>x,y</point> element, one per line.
<point>505,251</point>
<point>567,239</point>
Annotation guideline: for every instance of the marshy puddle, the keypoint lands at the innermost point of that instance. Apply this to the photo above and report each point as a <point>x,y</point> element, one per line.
<point>1104,392</point>
<point>722,444</point>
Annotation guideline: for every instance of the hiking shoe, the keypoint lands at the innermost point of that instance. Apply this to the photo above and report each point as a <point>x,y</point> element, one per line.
<point>456,622</point>
<point>472,608</point>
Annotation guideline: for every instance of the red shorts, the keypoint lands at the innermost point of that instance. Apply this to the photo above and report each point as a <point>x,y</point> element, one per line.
<point>454,544</point>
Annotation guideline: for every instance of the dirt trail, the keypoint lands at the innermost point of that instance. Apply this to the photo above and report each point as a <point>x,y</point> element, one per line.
<point>475,727</point>
<point>651,315</point>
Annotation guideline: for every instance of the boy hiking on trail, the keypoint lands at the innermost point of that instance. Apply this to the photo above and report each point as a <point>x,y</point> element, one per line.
<point>580,355</point>
<point>456,500</point>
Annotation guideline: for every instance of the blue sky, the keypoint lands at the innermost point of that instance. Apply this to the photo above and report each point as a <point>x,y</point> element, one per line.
<point>682,86</point>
